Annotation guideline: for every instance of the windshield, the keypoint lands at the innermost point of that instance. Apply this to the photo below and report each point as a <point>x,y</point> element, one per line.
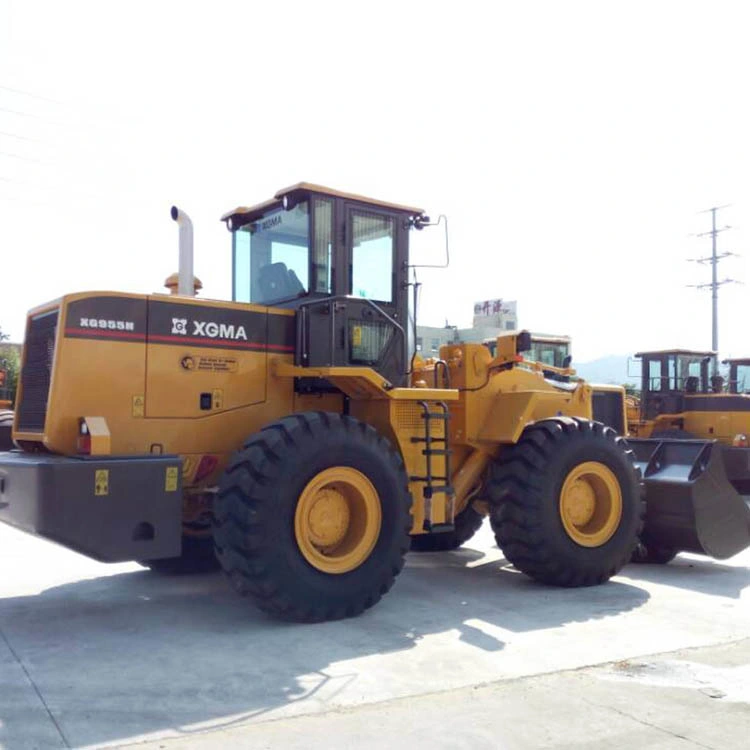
<point>675,372</point>
<point>548,352</point>
<point>271,256</point>
<point>688,367</point>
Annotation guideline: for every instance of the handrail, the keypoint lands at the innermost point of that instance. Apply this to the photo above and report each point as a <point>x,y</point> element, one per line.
<point>304,308</point>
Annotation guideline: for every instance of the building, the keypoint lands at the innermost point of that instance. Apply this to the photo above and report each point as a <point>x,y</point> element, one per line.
<point>491,318</point>
<point>496,313</point>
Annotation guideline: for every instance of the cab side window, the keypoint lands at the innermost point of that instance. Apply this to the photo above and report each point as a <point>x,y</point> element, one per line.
<point>373,242</point>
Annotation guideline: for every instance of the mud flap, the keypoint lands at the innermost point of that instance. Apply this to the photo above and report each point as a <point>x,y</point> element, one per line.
<point>692,500</point>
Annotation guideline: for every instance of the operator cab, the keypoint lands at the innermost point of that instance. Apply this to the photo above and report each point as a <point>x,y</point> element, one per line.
<point>341,261</point>
<point>739,374</point>
<point>667,376</point>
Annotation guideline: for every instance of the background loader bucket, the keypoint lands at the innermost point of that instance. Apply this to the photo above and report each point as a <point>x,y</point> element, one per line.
<point>693,500</point>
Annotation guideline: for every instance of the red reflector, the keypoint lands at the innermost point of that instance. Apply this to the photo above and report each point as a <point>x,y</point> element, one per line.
<point>84,444</point>
<point>205,467</point>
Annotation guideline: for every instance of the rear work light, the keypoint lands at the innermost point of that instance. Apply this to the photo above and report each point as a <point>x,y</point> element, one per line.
<point>93,437</point>
<point>83,445</point>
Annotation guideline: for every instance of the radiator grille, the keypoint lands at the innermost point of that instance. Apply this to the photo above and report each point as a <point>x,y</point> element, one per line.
<point>39,353</point>
<point>608,408</point>
<point>408,417</point>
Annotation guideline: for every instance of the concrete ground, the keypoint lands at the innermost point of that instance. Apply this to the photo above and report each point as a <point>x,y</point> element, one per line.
<point>464,652</point>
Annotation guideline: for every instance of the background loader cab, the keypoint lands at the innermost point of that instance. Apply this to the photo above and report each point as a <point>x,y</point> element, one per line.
<point>739,375</point>
<point>341,262</point>
<point>681,398</point>
<point>667,377</point>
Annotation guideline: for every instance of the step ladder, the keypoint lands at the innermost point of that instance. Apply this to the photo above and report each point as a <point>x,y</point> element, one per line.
<point>433,484</point>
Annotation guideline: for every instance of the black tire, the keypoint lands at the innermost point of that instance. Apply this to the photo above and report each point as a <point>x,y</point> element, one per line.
<point>254,517</point>
<point>651,553</point>
<point>466,524</point>
<point>6,429</point>
<point>524,492</point>
<point>197,557</point>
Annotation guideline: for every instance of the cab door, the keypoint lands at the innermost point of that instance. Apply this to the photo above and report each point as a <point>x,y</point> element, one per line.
<point>363,322</point>
<point>376,252</point>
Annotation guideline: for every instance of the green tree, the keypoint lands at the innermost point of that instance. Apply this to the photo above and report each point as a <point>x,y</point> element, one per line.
<point>10,361</point>
<point>631,389</point>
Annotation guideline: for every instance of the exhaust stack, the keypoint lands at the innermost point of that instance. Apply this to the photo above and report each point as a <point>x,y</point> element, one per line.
<point>185,284</point>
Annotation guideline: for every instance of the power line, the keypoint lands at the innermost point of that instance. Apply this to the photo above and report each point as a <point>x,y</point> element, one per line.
<point>29,94</point>
<point>714,284</point>
<point>19,137</point>
<point>27,114</point>
<point>22,158</point>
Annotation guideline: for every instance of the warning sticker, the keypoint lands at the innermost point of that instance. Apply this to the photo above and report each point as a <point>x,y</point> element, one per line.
<point>139,406</point>
<point>356,335</point>
<point>218,364</point>
<point>172,477</point>
<point>101,482</point>
<point>193,363</point>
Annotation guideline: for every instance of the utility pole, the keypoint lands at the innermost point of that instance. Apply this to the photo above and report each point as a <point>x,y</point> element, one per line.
<point>714,284</point>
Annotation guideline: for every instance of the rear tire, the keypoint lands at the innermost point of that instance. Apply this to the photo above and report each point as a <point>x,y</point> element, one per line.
<point>6,430</point>
<point>466,524</point>
<point>312,517</point>
<point>647,553</point>
<point>566,502</point>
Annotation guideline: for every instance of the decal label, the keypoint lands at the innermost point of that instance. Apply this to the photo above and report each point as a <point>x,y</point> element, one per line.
<point>111,325</point>
<point>217,398</point>
<point>157,321</point>
<point>209,364</point>
<point>101,482</point>
<point>139,406</point>
<point>356,335</point>
<point>171,478</point>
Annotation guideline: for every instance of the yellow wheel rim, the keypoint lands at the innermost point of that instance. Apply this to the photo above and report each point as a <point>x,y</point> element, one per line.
<point>591,504</point>
<point>337,521</point>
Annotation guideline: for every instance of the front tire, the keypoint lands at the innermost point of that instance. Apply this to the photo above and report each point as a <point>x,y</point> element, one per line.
<point>566,502</point>
<point>312,517</point>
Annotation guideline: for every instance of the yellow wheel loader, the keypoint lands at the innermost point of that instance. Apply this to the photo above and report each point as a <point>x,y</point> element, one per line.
<point>291,432</point>
<point>690,434</point>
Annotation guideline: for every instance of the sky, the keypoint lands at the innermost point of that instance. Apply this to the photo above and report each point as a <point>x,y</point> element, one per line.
<point>572,145</point>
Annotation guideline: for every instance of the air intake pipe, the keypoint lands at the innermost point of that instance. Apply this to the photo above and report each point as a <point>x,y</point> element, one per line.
<point>185,283</point>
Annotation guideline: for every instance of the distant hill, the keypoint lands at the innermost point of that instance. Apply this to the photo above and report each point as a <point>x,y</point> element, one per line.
<point>612,369</point>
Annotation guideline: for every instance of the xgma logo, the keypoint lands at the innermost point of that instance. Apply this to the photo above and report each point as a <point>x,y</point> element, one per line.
<point>209,329</point>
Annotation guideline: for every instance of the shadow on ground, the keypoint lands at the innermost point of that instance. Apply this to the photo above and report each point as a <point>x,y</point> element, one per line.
<point>137,653</point>
<point>694,573</point>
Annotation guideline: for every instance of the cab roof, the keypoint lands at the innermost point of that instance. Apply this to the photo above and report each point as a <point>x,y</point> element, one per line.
<point>689,352</point>
<point>251,212</point>
<point>736,361</point>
